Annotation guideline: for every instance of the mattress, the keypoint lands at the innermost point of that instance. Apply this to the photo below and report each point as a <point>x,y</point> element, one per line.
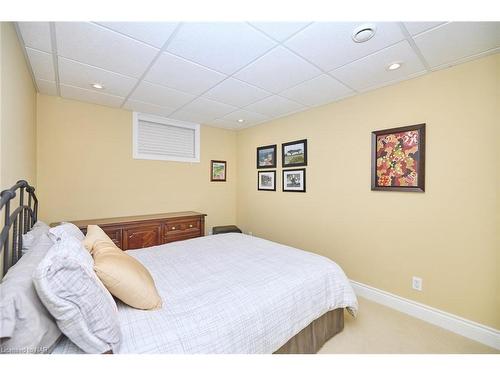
<point>229,293</point>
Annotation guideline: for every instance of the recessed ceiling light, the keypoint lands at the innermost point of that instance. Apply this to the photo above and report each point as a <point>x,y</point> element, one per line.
<point>241,120</point>
<point>364,32</point>
<point>97,86</point>
<point>394,66</point>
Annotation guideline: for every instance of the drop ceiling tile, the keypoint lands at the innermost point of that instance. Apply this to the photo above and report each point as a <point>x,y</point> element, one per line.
<point>245,126</point>
<point>160,95</point>
<point>456,40</point>
<point>36,35</point>
<point>73,73</point>
<point>223,46</point>
<point>46,87</point>
<point>372,70</point>
<point>317,91</point>
<point>237,93</point>
<point>95,45</point>
<point>181,74</point>
<point>280,30</point>
<point>153,33</point>
<point>210,108</point>
<point>42,64</point>
<point>142,107</point>
<point>415,28</point>
<point>248,117</point>
<point>330,45</point>
<point>191,117</point>
<point>275,106</point>
<point>84,95</point>
<point>221,123</point>
<point>278,70</point>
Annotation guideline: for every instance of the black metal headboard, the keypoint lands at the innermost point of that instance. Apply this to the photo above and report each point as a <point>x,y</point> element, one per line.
<point>19,218</point>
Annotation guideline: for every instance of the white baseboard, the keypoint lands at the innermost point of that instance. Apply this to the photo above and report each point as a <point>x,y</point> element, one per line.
<point>472,330</point>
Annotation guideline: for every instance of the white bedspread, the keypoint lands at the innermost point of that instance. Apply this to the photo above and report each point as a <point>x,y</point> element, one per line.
<point>230,293</point>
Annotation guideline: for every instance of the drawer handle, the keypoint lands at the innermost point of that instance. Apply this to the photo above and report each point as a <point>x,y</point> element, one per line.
<point>190,225</point>
<point>173,228</point>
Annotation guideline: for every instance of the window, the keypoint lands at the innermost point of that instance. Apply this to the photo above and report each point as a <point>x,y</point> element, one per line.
<point>160,138</point>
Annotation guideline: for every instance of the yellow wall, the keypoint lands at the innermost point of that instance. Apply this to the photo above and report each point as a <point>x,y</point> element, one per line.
<point>86,169</point>
<point>17,113</point>
<point>447,235</point>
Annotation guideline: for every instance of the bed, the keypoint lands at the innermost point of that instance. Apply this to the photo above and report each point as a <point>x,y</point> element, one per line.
<point>233,293</point>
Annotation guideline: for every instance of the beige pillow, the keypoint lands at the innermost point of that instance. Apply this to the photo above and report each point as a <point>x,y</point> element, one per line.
<point>124,276</point>
<point>94,233</point>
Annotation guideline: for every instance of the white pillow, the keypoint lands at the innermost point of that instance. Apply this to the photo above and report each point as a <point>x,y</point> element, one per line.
<point>68,228</point>
<point>32,236</point>
<point>70,290</point>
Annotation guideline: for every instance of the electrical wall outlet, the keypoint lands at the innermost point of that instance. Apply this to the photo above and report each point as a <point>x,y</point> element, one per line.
<point>250,233</point>
<point>417,283</point>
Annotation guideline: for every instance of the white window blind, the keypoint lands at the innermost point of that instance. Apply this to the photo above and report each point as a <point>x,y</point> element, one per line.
<point>159,138</point>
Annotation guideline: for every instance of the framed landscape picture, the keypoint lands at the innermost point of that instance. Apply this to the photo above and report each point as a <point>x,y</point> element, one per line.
<point>266,180</point>
<point>218,171</point>
<point>266,156</point>
<point>294,154</point>
<point>294,180</point>
<point>398,159</point>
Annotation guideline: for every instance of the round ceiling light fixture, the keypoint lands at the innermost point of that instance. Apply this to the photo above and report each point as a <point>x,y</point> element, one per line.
<point>364,32</point>
<point>97,86</point>
<point>394,65</point>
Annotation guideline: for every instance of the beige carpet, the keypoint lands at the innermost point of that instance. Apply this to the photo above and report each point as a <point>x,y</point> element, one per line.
<point>379,329</point>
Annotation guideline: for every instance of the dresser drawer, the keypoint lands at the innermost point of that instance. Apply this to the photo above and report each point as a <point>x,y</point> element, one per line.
<point>185,225</point>
<point>138,237</point>
<point>181,229</point>
<point>181,236</point>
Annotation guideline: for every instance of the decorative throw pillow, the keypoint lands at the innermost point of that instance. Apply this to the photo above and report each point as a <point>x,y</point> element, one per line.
<point>125,277</point>
<point>94,233</point>
<point>69,288</point>
<point>32,236</point>
<point>25,324</point>
<point>66,228</point>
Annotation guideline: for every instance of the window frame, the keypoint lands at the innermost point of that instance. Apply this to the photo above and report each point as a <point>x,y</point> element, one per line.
<point>139,116</point>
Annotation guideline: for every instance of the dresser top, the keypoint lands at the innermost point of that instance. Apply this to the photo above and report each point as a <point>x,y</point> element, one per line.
<point>137,218</point>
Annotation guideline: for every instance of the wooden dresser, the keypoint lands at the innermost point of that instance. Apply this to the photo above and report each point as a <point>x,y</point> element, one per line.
<point>136,232</point>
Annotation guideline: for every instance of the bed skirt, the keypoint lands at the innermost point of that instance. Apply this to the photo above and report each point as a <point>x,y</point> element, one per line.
<point>313,337</point>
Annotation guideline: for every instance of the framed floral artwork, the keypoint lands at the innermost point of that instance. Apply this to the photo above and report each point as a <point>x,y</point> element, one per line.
<point>266,157</point>
<point>218,171</point>
<point>398,159</point>
<point>266,180</point>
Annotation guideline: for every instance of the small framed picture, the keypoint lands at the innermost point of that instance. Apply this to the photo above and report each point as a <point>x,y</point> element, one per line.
<point>294,180</point>
<point>398,159</point>
<point>294,154</point>
<point>218,171</point>
<point>266,180</point>
<point>266,157</point>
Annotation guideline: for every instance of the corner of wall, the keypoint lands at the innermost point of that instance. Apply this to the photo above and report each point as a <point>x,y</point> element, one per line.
<point>1,105</point>
<point>17,111</point>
